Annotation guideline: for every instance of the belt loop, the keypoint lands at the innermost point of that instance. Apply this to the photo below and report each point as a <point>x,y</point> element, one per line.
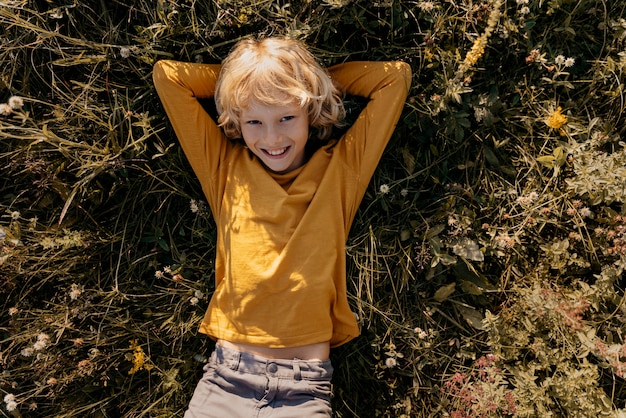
<point>297,375</point>
<point>235,360</point>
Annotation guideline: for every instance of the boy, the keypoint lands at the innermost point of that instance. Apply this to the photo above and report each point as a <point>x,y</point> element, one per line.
<point>283,196</point>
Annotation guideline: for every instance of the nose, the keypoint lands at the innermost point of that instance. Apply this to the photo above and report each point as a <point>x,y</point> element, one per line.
<point>271,135</point>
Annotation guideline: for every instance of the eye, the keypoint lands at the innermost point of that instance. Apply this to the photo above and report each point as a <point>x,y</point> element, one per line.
<point>253,122</point>
<point>286,118</point>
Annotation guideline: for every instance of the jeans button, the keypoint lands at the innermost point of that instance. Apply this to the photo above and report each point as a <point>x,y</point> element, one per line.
<point>272,368</point>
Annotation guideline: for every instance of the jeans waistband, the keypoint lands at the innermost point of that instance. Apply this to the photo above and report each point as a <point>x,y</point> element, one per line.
<point>289,369</point>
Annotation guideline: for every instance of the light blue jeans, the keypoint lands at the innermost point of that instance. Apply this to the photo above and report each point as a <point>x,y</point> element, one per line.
<point>238,384</point>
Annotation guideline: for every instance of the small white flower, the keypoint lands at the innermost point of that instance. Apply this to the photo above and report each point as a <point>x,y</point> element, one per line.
<point>390,362</point>
<point>75,291</point>
<point>27,352</point>
<point>569,62</point>
<point>194,301</point>
<point>193,205</point>
<point>125,52</point>
<point>167,269</point>
<point>9,397</point>
<point>384,188</point>
<point>13,311</point>
<point>158,274</point>
<point>39,345</point>
<point>520,2</point>
<point>15,215</point>
<point>11,406</point>
<point>16,102</point>
<point>524,10</point>
<point>43,337</point>
<point>5,109</point>
<point>404,192</point>
<point>198,294</point>
<point>586,212</point>
<point>559,60</point>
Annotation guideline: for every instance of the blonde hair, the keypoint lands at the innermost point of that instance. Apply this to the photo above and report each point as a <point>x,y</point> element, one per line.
<point>274,71</point>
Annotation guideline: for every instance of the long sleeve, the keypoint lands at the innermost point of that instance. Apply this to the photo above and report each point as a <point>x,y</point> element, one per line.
<point>386,85</point>
<point>179,86</point>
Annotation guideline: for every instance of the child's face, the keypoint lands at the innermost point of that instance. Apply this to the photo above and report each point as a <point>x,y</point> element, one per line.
<point>276,134</point>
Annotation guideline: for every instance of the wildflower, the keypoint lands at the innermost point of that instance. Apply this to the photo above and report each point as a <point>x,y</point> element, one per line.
<point>13,311</point>
<point>556,120</point>
<point>27,352</point>
<point>124,52</point>
<point>198,294</point>
<point>9,397</point>
<point>524,10</point>
<point>11,406</point>
<point>421,334</point>
<point>477,51</point>
<point>75,291</point>
<point>138,358</point>
<point>559,60</point>
<point>167,269</point>
<point>5,109</point>
<point>16,102</point>
<point>194,206</point>
<point>39,345</point>
<point>426,6</point>
<point>586,212</point>
<point>571,211</point>
<point>194,300</point>
<point>384,188</point>
<point>569,62</point>
<point>390,362</point>
<point>158,274</point>
<point>178,278</point>
<point>520,2</point>
<point>404,192</point>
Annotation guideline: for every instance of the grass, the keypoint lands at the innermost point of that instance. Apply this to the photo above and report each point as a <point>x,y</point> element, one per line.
<point>486,261</point>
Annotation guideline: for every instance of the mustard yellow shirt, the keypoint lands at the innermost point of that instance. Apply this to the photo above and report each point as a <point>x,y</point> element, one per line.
<point>280,267</point>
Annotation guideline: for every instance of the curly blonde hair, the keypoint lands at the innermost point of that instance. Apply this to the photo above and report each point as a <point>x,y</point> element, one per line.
<point>272,71</point>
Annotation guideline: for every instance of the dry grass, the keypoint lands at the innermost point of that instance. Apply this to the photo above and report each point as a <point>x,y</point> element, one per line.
<point>488,207</point>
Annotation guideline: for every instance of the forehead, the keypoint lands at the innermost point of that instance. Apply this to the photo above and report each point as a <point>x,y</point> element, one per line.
<point>258,108</point>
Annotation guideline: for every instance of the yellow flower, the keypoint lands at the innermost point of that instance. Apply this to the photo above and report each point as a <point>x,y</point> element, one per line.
<point>556,120</point>
<point>138,358</point>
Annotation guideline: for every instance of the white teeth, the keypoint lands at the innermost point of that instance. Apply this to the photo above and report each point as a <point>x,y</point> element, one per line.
<point>276,151</point>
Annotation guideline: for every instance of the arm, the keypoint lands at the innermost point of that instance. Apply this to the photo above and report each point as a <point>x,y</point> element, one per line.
<point>179,86</point>
<point>386,84</point>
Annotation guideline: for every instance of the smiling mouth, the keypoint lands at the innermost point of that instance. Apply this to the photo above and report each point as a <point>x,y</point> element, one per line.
<point>276,152</point>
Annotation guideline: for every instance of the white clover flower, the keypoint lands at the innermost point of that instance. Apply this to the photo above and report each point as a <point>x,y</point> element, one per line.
<point>586,212</point>
<point>167,269</point>
<point>39,345</point>
<point>75,291</point>
<point>569,62</point>
<point>5,109</point>
<point>27,352</point>
<point>125,52</point>
<point>391,362</point>
<point>43,337</point>
<point>158,274</point>
<point>9,397</point>
<point>16,102</point>
<point>384,188</point>
<point>559,60</point>
<point>11,406</point>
